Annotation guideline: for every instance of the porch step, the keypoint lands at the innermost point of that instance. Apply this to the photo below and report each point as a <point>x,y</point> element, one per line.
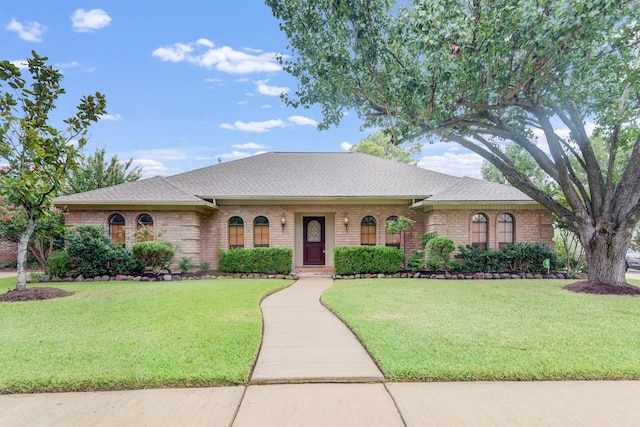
<point>314,271</point>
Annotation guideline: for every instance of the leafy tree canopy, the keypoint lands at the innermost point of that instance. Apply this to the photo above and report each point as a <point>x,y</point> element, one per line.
<point>95,172</point>
<point>485,74</point>
<point>380,145</point>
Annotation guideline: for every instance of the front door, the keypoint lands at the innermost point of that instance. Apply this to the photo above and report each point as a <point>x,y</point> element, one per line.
<point>313,253</point>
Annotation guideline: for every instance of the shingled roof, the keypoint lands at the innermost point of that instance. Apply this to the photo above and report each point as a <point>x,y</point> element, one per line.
<point>301,176</point>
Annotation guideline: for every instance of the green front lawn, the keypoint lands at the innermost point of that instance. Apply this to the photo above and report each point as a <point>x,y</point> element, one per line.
<point>429,330</point>
<point>113,335</point>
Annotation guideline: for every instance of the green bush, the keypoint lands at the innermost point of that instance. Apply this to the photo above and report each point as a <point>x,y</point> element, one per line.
<point>367,259</point>
<point>204,266</point>
<point>529,257</point>
<point>256,260</point>
<point>440,249</point>
<point>154,254</point>
<point>416,259</point>
<point>524,257</point>
<point>185,264</point>
<point>59,264</point>
<point>93,254</point>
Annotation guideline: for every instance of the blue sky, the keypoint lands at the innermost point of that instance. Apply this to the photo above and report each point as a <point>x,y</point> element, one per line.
<point>186,84</point>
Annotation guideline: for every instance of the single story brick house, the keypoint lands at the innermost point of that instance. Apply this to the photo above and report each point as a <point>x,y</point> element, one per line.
<point>309,202</point>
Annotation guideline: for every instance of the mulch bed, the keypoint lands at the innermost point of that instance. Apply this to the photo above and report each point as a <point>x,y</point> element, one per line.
<point>33,294</point>
<point>602,289</point>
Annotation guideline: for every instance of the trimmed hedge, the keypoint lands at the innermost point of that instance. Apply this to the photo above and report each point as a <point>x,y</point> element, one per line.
<point>256,260</point>
<point>367,259</point>
<point>524,257</point>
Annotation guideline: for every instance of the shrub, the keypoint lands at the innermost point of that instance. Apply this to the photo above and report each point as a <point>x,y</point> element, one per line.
<point>256,260</point>
<point>59,264</point>
<point>154,254</point>
<point>185,264</point>
<point>416,260</point>
<point>529,257</point>
<point>476,259</point>
<point>440,249</point>
<point>94,254</point>
<point>204,266</point>
<point>367,259</point>
<point>525,257</point>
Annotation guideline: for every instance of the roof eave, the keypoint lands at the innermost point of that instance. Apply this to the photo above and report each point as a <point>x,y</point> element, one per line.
<point>105,203</point>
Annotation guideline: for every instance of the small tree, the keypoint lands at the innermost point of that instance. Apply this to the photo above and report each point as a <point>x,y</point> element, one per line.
<point>38,155</point>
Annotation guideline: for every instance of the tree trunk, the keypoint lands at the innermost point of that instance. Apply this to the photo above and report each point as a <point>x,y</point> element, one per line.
<point>606,258</point>
<point>23,245</point>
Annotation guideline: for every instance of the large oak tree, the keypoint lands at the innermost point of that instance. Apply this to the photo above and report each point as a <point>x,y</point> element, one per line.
<point>488,73</point>
<point>37,156</point>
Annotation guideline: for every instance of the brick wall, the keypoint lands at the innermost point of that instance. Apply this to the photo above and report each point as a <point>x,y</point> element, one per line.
<point>8,253</point>
<point>201,235</point>
<point>531,225</point>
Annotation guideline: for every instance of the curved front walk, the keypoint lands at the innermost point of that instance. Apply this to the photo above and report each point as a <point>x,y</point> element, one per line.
<point>303,342</point>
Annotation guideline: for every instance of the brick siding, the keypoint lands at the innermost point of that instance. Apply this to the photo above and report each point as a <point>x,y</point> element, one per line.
<point>201,235</point>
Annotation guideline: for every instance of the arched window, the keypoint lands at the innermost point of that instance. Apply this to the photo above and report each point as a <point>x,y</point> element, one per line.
<point>479,231</point>
<point>261,232</point>
<point>116,229</point>
<point>144,228</point>
<point>505,229</point>
<point>392,239</point>
<point>236,232</point>
<point>368,231</point>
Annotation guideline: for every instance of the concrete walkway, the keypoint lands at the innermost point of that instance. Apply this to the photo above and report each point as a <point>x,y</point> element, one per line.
<point>317,374</point>
<point>303,342</point>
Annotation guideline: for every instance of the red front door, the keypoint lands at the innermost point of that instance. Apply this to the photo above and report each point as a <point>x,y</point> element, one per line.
<point>313,253</point>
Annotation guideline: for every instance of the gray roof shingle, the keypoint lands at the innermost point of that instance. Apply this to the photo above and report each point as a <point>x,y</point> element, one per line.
<point>302,175</point>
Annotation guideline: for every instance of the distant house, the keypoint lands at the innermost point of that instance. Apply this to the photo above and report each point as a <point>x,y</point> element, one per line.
<point>309,202</point>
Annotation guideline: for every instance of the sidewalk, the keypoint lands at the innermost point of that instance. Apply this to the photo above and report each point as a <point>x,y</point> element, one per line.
<point>303,345</point>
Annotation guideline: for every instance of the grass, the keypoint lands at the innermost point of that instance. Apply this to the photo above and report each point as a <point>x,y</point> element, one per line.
<point>437,330</point>
<point>121,335</point>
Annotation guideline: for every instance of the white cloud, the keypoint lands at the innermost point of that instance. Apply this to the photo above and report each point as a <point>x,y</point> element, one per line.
<point>454,164</point>
<point>29,31</point>
<point>205,42</point>
<point>204,158</point>
<point>345,146</point>
<point>265,106</point>
<point>20,63</point>
<point>111,117</point>
<point>150,167</point>
<point>177,53</point>
<point>303,121</point>
<point>235,155</point>
<point>84,21</point>
<point>265,89</point>
<point>249,146</point>
<point>72,64</point>
<point>203,53</point>
<point>264,126</point>
<point>162,154</point>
